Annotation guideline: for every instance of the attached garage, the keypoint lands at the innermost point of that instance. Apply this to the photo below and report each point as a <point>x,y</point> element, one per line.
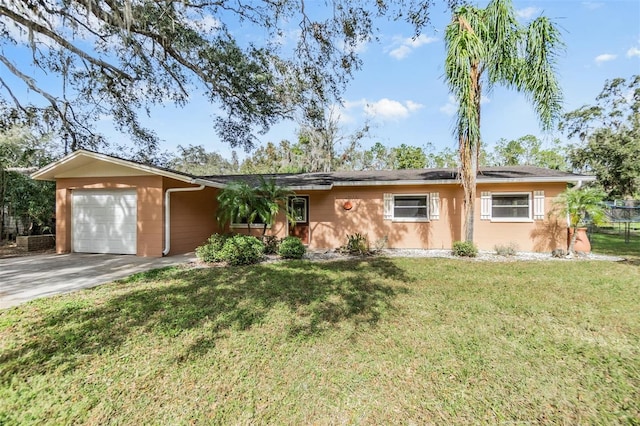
<point>109,205</point>
<point>104,221</point>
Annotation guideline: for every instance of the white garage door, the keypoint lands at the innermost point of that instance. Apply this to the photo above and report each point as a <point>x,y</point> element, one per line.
<point>104,221</point>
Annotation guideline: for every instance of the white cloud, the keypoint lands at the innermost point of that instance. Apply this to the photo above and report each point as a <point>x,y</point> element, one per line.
<point>528,12</point>
<point>403,46</point>
<point>388,109</point>
<point>634,51</point>
<point>450,107</point>
<point>400,52</point>
<point>605,57</point>
<point>413,106</point>
<point>422,39</point>
<point>592,5</point>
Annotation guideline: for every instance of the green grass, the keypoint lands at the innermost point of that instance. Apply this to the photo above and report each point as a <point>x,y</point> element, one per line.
<point>613,243</point>
<point>372,341</point>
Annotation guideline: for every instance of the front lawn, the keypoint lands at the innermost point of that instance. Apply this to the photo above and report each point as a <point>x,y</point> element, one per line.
<point>375,341</point>
<point>613,243</point>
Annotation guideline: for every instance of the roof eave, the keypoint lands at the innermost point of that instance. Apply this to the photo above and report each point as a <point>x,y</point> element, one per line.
<point>551,179</point>
<point>46,173</point>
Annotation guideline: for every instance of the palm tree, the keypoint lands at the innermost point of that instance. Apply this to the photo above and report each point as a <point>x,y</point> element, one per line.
<point>580,204</point>
<point>241,202</point>
<point>270,199</point>
<point>237,203</point>
<point>486,47</point>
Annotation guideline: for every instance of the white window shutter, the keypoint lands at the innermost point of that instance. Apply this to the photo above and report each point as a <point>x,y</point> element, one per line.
<point>485,206</point>
<point>434,200</point>
<point>538,205</point>
<point>388,206</point>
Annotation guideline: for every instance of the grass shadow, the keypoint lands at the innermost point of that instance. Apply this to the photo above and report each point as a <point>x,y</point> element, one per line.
<point>213,301</point>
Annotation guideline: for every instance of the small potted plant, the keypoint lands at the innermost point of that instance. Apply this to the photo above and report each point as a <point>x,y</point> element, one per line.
<point>580,204</point>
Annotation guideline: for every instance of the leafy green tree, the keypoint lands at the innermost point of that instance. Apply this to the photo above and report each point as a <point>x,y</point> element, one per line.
<point>377,157</point>
<point>487,47</point>
<point>446,158</point>
<point>117,59</point>
<point>580,204</point>
<point>529,151</point>
<point>409,157</point>
<point>197,161</point>
<point>31,202</point>
<point>609,134</point>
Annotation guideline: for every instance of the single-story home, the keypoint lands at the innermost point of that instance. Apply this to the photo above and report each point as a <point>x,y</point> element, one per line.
<point>106,204</point>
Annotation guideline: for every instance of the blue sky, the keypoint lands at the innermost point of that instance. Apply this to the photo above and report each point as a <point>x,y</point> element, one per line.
<point>401,91</point>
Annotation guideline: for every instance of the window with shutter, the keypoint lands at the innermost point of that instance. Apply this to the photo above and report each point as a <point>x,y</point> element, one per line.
<point>485,206</point>
<point>434,206</point>
<point>538,205</point>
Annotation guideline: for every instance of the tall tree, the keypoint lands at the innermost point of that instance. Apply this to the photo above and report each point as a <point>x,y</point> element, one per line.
<point>197,161</point>
<point>609,134</point>
<point>23,199</point>
<point>409,157</point>
<point>488,47</point>
<point>117,58</point>
<point>529,151</point>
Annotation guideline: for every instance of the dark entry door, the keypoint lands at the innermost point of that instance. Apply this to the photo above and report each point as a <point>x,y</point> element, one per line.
<point>299,208</point>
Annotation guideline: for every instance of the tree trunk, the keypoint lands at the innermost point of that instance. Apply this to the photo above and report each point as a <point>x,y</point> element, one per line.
<point>572,241</point>
<point>469,152</point>
<point>469,157</point>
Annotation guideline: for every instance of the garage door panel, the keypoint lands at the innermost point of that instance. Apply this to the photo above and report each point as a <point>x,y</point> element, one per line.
<point>104,221</point>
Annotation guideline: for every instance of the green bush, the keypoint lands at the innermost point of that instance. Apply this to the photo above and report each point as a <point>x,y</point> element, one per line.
<point>271,243</point>
<point>465,249</point>
<point>242,250</point>
<point>356,244</point>
<point>292,248</point>
<point>210,251</point>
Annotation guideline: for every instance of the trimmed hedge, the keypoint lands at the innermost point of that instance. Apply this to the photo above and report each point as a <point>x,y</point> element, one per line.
<point>292,248</point>
<point>464,249</point>
<point>210,251</point>
<point>242,250</point>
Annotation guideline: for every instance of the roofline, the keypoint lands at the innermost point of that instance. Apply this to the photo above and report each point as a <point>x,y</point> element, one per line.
<point>125,163</point>
<point>555,179</point>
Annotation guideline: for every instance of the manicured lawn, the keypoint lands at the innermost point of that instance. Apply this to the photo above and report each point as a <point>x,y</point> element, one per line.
<point>613,243</point>
<point>378,341</point>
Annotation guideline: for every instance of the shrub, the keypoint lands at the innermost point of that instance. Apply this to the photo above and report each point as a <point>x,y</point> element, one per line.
<point>210,251</point>
<point>356,244</point>
<point>242,250</point>
<point>271,243</point>
<point>292,248</point>
<point>465,249</point>
<point>509,250</point>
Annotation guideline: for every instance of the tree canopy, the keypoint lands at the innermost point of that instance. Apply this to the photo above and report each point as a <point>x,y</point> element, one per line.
<point>609,134</point>
<point>118,58</point>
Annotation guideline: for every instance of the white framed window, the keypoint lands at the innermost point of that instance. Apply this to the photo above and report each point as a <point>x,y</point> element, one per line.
<point>242,223</point>
<point>406,207</point>
<point>299,209</point>
<point>507,206</point>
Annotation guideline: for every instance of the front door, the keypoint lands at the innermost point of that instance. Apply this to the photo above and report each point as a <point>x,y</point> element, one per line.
<point>299,209</point>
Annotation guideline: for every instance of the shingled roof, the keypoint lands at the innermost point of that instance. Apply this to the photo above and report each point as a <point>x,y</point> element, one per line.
<point>327,180</point>
<point>319,180</point>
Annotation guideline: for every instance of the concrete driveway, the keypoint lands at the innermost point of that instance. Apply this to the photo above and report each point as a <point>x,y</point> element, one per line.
<point>30,277</point>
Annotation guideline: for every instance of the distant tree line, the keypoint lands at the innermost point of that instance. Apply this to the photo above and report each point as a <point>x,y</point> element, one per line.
<point>287,157</point>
